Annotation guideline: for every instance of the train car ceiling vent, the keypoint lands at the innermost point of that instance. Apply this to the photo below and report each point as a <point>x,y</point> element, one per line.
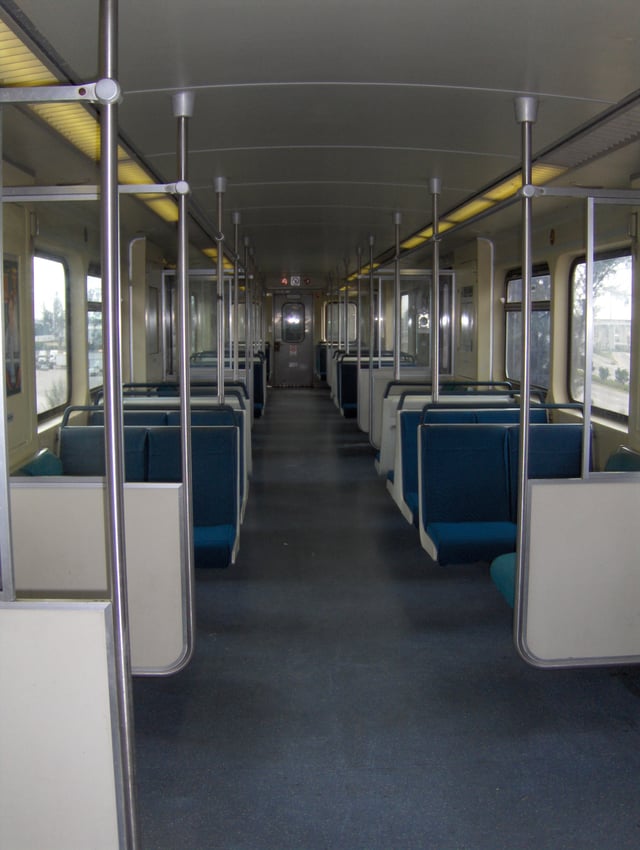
<point>613,129</point>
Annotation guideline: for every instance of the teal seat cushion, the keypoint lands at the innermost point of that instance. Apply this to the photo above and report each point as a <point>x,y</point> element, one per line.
<point>623,460</point>
<point>44,463</point>
<point>467,542</point>
<point>503,574</point>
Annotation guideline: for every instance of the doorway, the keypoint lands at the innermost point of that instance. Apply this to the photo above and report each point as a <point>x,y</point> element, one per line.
<point>293,339</point>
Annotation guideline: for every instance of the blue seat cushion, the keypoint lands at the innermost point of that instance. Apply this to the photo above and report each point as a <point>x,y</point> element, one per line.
<point>503,574</point>
<point>213,545</point>
<point>467,542</point>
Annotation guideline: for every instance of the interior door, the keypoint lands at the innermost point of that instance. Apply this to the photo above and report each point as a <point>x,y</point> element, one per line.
<point>293,340</point>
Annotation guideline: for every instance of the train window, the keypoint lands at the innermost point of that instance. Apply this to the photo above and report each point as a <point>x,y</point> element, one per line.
<point>540,351</point>
<point>194,312</point>
<point>94,330</point>
<point>334,320</point>
<point>611,364</point>
<point>51,328</point>
<point>293,322</point>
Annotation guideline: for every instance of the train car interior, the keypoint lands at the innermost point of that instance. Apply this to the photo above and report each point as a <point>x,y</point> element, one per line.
<point>320,425</point>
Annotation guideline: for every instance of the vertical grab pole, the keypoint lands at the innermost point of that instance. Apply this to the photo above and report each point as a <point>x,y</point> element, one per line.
<point>114,440</point>
<point>397,321</point>
<point>248,323</point>
<point>346,306</point>
<point>7,583</point>
<point>359,303</point>
<point>435,293</point>
<point>220,185</point>
<point>183,110</point>
<point>380,328</point>
<point>526,113</point>
<point>372,333</point>
<point>588,339</point>
<point>340,313</point>
<point>235,218</point>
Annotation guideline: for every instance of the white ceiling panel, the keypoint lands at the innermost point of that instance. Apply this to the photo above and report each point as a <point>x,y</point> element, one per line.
<point>327,117</point>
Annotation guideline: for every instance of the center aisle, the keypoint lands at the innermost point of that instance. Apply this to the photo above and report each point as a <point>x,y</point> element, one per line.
<point>346,694</point>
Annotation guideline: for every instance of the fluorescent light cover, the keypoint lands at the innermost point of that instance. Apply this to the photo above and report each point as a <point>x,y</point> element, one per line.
<point>18,65</point>
<point>542,173</point>
<point>505,190</point>
<point>73,121</point>
<point>467,211</point>
<point>212,253</point>
<point>413,242</point>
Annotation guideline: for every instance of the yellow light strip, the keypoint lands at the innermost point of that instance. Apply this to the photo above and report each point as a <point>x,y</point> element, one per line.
<point>504,190</point>
<point>212,253</point>
<point>367,268</point>
<point>542,173</point>
<point>19,67</point>
<point>74,123</point>
<point>413,242</point>
<point>469,210</point>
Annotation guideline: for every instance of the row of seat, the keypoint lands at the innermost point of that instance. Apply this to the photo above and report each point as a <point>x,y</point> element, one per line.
<point>468,483</point>
<point>402,479</point>
<point>156,412</point>
<point>404,395</point>
<point>455,470</point>
<point>153,454</point>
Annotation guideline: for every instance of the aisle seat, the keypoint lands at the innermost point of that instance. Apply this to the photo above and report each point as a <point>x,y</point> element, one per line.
<point>153,454</point>
<point>215,472</point>
<point>403,486</point>
<point>464,492</point>
<point>468,479</point>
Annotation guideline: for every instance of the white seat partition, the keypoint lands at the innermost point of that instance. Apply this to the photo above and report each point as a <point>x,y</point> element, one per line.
<point>61,554</point>
<point>381,379</point>
<point>61,769</point>
<point>389,429</point>
<point>581,582</point>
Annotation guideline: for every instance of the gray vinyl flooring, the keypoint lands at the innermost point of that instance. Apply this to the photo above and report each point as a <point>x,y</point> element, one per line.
<point>346,693</point>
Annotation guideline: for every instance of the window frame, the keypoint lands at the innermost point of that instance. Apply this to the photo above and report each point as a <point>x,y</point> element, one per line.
<point>93,307</point>
<point>625,251</point>
<point>538,270</point>
<point>52,412</point>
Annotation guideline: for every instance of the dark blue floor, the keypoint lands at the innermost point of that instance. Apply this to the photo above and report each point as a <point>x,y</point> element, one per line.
<point>346,693</point>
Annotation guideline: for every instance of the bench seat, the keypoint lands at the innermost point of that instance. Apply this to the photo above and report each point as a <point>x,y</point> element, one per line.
<point>153,454</point>
<point>469,481</point>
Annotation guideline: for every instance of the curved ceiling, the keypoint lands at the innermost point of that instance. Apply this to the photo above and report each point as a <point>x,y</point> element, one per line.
<point>325,118</point>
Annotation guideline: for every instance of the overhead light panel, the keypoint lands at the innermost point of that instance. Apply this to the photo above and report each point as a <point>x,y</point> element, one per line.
<point>212,253</point>
<point>468,210</point>
<point>413,242</point>
<point>19,66</point>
